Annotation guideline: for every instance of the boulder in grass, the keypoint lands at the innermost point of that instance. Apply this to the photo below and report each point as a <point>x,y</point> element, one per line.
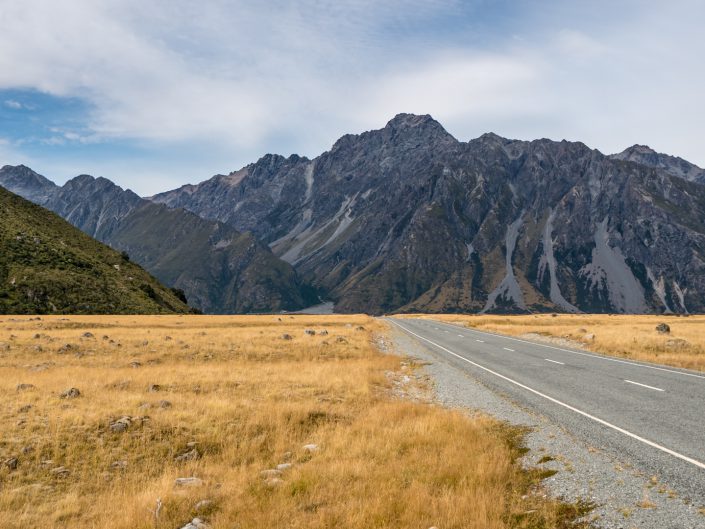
<point>663,328</point>
<point>71,393</point>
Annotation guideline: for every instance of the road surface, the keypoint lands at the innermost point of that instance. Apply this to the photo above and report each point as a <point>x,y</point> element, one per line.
<point>650,417</point>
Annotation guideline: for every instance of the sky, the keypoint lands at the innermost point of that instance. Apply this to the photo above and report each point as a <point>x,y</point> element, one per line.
<point>153,94</point>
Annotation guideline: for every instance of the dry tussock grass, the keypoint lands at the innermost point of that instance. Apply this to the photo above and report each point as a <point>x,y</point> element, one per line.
<point>247,400</point>
<point>626,336</point>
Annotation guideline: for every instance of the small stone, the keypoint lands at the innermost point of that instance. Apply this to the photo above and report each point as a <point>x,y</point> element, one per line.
<point>71,393</point>
<point>24,387</point>
<point>188,482</point>
<point>663,328</point>
<point>310,332</point>
<point>167,338</point>
<point>66,348</point>
<point>676,343</point>
<point>60,471</point>
<point>283,466</point>
<point>25,408</point>
<point>88,335</point>
<point>191,455</point>
<point>286,336</point>
<point>359,328</point>
<point>121,425</point>
<point>203,505</point>
<point>287,456</point>
<point>323,332</point>
<point>270,473</point>
<point>135,364</point>
<point>164,404</point>
<point>153,388</point>
<point>196,523</point>
<point>310,448</point>
<point>273,482</point>
<point>340,339</point>
<point>11,463</point>
<point>119,465</point>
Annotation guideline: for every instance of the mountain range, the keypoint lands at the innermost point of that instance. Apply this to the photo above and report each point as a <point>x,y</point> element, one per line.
<point>49,266</point>
<point>408,218</point>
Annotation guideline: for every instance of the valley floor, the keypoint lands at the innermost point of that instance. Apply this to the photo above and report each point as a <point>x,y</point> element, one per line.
<point>626,336</point>
<point>267,421</point>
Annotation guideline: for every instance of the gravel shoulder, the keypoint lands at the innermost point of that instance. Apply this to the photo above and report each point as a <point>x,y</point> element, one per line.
<point>624,497</point>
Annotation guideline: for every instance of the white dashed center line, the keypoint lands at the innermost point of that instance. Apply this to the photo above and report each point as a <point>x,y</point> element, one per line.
<point>461,336</point>
<point>481,341</point>
<point>554,361</point>
<point>508,349</point>
<point>643,385</point>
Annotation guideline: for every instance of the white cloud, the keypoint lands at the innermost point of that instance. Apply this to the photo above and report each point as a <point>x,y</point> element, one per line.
<point>15,105</point>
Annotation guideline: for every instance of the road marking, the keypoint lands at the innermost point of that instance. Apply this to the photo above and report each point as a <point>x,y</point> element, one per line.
<point>563,404</point>
<point>590,355</point>
<point>554,361</point>
<point>481,341</point>
<point>643,385</point>
<point>508,349</point>
<point>461,336</point>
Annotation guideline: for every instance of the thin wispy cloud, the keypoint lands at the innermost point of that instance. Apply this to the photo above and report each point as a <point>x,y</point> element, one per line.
<point>230,81</point>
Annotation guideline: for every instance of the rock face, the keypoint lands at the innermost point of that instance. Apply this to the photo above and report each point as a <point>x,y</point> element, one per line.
<point>220,269</point>
<point>671,164</point>
<point>407,218</point>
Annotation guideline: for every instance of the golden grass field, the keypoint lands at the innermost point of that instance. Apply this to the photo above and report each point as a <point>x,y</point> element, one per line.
<point>235,399</point>
<point>625,336</point>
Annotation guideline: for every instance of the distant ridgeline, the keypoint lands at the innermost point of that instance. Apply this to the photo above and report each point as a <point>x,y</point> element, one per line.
<point>49,267</point>
<point>407,218</point>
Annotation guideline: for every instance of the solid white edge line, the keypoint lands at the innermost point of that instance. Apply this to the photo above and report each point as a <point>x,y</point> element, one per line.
<point>560,403</point>
<point>590,355</point>
<point>554,361</point>
<point>643,385</point>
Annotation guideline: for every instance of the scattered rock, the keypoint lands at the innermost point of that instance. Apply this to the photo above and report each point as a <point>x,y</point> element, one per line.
<point>191,455</point>
<point>106,337</point>
<point>11,463</point>
<point>286,336</point>
<point>119,465</point>
<point>60,472</point>
<point>25,408</point>
<point>270,473</point>
<point>135,364</point>
<point>676,343</point>
<point>359,328</point>
<point>121,425</point>
<point>167,338</point>
<point>164,404</point>
<point>340,339</point>
<point>663,328</point>
<point>589,337</point>
<point>66,348</point>
<point>153,388</point>
<point>287,456</point>
<point>203,505</point>
<point>196,523</point>
<point>323,332</point>
<point>25,387</point>
<point>145,343</point>
<point>283,466</point>
<point>71,393</point>
<point>273,482</point>
<point>188,482</point>
<point>310,448</point>
<point>88,335</point>
<point>310,332</point>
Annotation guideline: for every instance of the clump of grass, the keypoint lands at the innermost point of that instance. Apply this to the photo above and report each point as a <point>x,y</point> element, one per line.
<point>626,336</point>
<point>223,399</point>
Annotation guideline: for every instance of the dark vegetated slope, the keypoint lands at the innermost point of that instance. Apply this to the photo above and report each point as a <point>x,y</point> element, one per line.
<point>48,266</point>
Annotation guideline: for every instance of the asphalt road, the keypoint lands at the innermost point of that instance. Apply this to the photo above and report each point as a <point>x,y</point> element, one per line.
<point>649,417</point>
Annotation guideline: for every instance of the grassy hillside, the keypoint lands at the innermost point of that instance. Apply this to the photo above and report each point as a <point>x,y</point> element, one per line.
<point>48,266</point>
